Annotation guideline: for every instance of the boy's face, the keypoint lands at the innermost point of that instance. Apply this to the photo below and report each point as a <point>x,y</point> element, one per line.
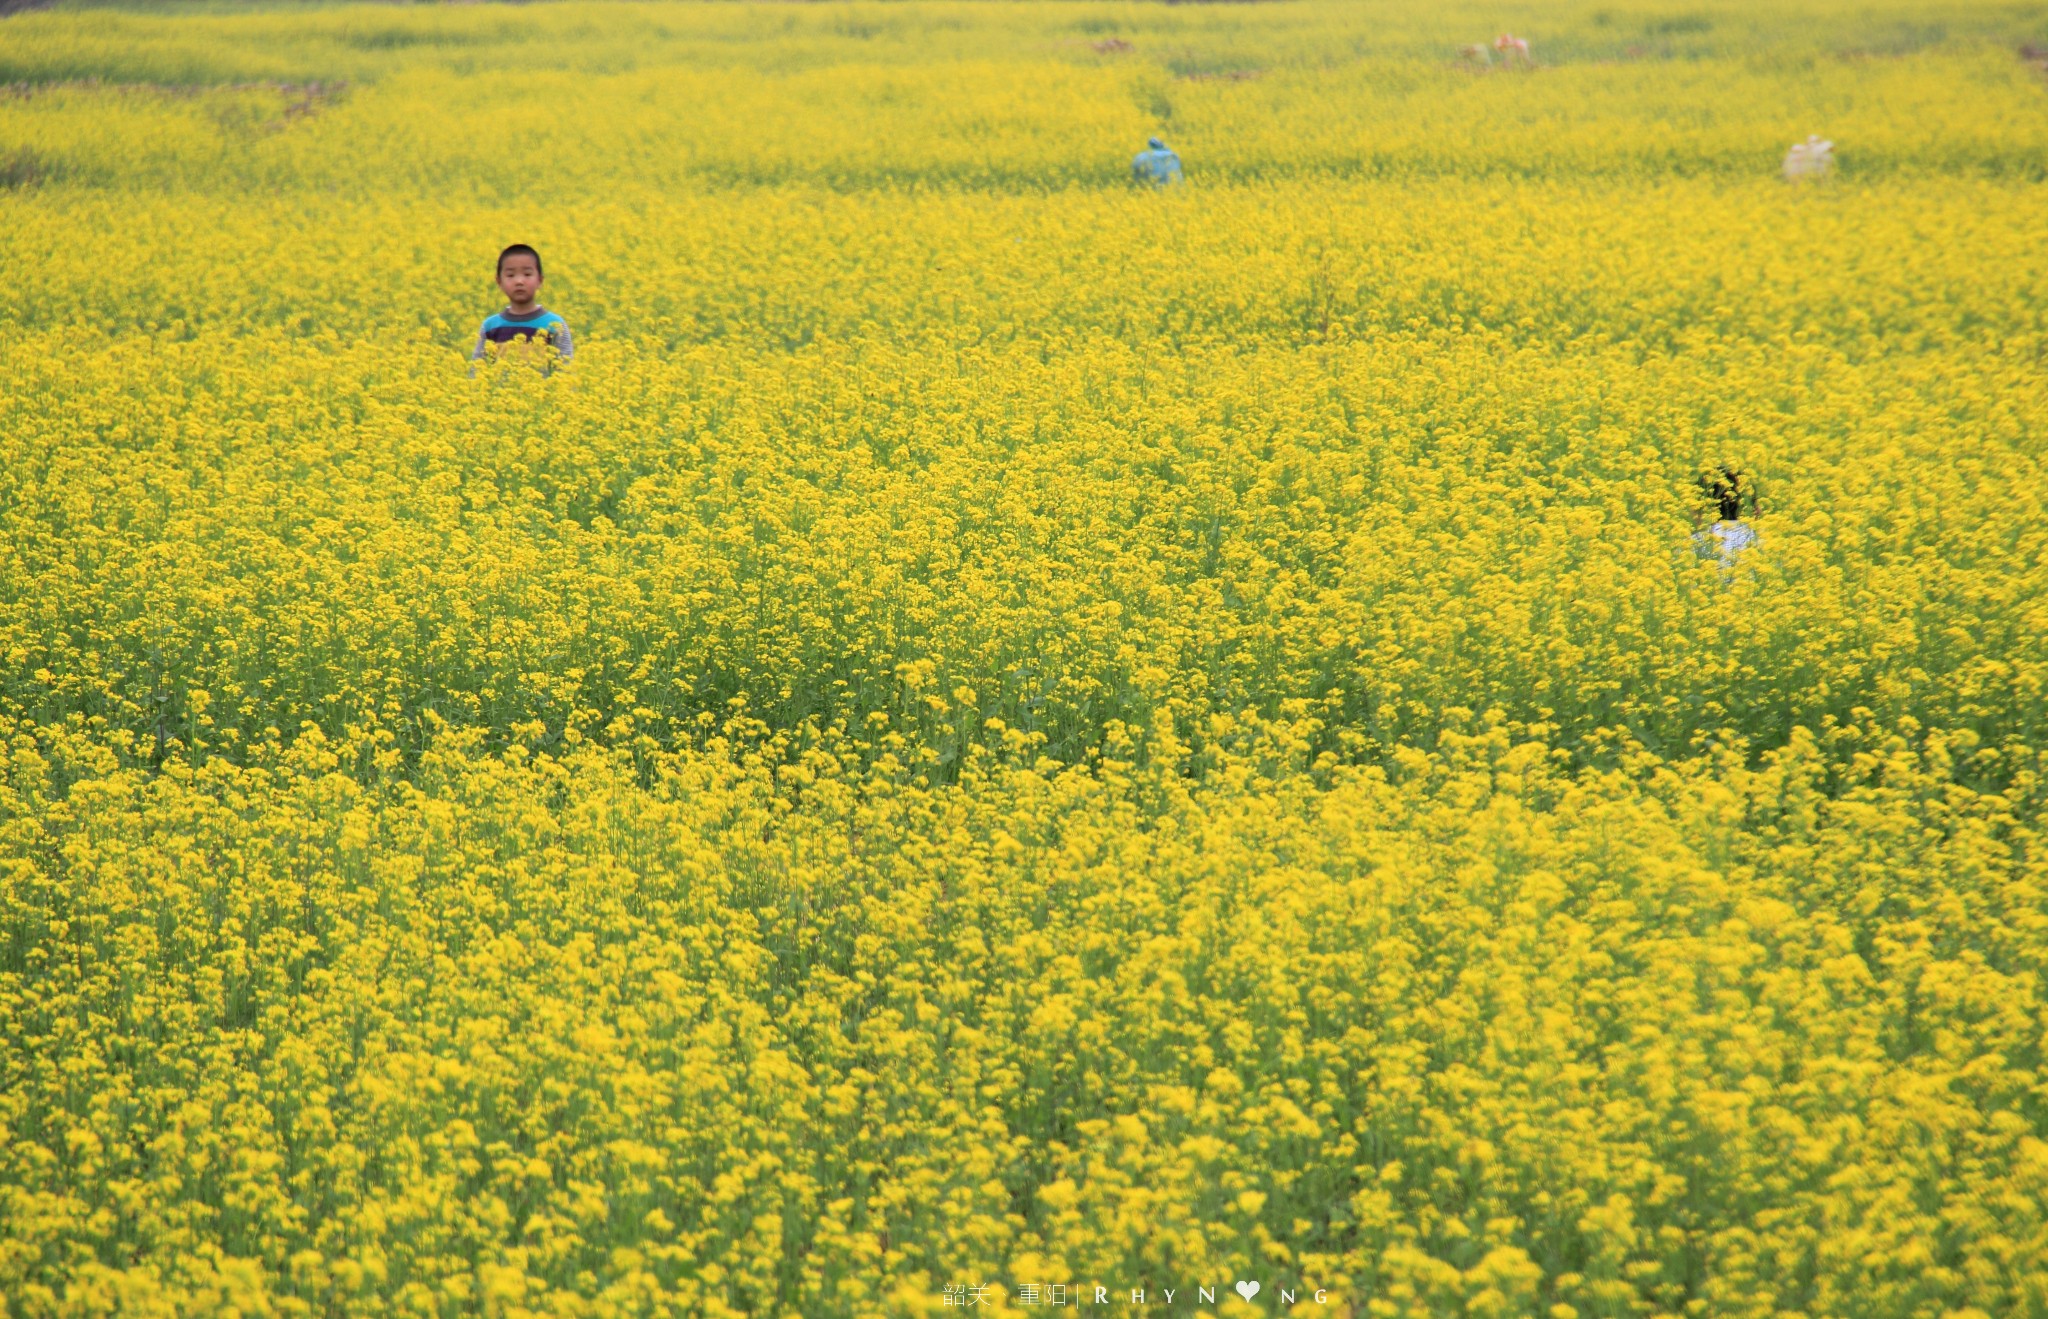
<point>519,277</point>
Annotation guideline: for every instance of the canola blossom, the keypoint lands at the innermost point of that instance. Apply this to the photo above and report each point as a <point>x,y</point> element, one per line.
<point>999,727</point>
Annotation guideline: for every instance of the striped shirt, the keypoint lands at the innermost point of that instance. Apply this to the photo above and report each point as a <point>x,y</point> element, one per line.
<point>505,326</point>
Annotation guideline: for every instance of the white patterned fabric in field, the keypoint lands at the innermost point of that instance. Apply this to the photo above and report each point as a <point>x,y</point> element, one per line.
<point>1724,541</point>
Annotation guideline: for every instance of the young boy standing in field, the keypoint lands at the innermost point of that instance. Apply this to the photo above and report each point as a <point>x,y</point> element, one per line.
<point>523,318</point>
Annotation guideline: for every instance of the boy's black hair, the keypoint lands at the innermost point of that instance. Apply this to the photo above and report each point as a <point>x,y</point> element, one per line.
<point>521,249</point>
<point>1725,490</point>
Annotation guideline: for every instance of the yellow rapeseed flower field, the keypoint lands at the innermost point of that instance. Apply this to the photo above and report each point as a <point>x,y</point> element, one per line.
<point>999,739</point>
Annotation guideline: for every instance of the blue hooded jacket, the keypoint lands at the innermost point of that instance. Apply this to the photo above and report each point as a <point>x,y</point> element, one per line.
<point>1156,165</point>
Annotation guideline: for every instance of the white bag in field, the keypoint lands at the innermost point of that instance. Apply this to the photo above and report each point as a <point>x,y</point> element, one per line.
<point>1812,159</point>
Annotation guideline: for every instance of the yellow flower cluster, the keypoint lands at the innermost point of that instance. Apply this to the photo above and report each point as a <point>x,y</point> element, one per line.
<point>995,729</point>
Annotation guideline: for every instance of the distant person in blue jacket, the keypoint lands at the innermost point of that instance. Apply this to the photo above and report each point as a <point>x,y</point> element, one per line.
<point>1156,165</point>
<point>519,277</point>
